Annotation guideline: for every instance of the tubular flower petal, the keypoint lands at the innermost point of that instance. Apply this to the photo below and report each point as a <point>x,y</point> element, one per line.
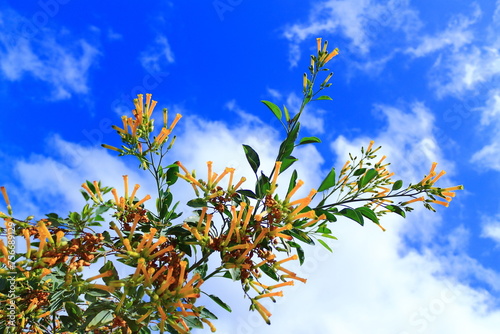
<point>212,327</point>
<point>269,295</point>
<point>331,55</point>
<point>294,190</point>
<point>144,316</point>
<point>102,287</point>
<point>418,199</point>
<point>293,257</point>
<point>318,44</point>
<point>104,274</point>
<point>446,204</point>
<point>370,146</point>
<point>264,313</point>
<point>147,197</point>
<point>438,177</point>
<point>84,186</point>
<point>174,122</point>
<point>207,225</point>
<point>277,168</point>
<point>109,147</point>
<point>461,187</point>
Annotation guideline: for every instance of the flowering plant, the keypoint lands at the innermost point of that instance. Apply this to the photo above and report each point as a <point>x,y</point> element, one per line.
<point>254,229</point>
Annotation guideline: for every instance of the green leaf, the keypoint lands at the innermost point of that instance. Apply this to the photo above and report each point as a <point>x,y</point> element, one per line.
<point>300,251</point>
<point>269,271</point>
<point>396,209</point>
<point>247,193</point>
<point>368,213</point>
<point>274,108</point>
<point>352,214</point>
<point>102,318</point>
<point>287,114</point>
<point>197,203</point>
<point>359,171</point>
<point>262,186</point>
<point>73,310</point>
<point>324,97</point>
<point>323,229</point>
<point>252,157</point>
<point>293,181</point>
<point>205,313</point>
<point>325,245</point>
<point>171,175</point>
<point>329,216</point>
<point>328,182</point>
<point>109,266</point>
<point>309,140</point>
<point>300,235</point>
<point>193,322</point>
<point>397,185</point>
<point>365,179</point>
<point>220,302</point>
<point>287,162</point>
<point>202,270</point>
<point>287,146</point>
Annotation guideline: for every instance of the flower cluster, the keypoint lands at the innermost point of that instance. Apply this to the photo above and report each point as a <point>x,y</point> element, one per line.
<point>136,130</point>
<point>246,243</point>
<point>256,232</point>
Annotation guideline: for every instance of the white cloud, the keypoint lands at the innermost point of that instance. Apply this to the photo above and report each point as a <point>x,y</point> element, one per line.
<point>157,55</point>
<point>496,14</point>
<point>456,35</point>
<point>360,22</point>
<point>491,229</point>
<point>45,57</point>
<point>463,72</point>
<point>54,182</point>
<point>488,157</point>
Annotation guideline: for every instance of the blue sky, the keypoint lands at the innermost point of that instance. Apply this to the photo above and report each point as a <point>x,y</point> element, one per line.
<point>419,78</point>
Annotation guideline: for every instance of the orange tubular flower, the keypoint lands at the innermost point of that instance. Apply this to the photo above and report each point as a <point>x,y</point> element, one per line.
<point>293,257</point>
<point>5,252</point>
<point>370,146</point>
<point>446,204</point>
<point>270,295</point>
<point>265,314</point>
<point>454,188</point>
<point>437,177</point>
<point>418,199</point>
<point>277,167</point>
<point>5,196</point>
<point>84,186</point>
<point>207,225</point>
<point>212,327</point>
<point>125,185</point>
<point>146,198</point>
<point>243,179</point>
<point>102,287</point>
<point>43,315</point>
<point>144,316</point>
<point>294,190</point>
<point>331,55</point>
<point>174,122</point>
<point>26,235</point>
<point>104,274</point>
